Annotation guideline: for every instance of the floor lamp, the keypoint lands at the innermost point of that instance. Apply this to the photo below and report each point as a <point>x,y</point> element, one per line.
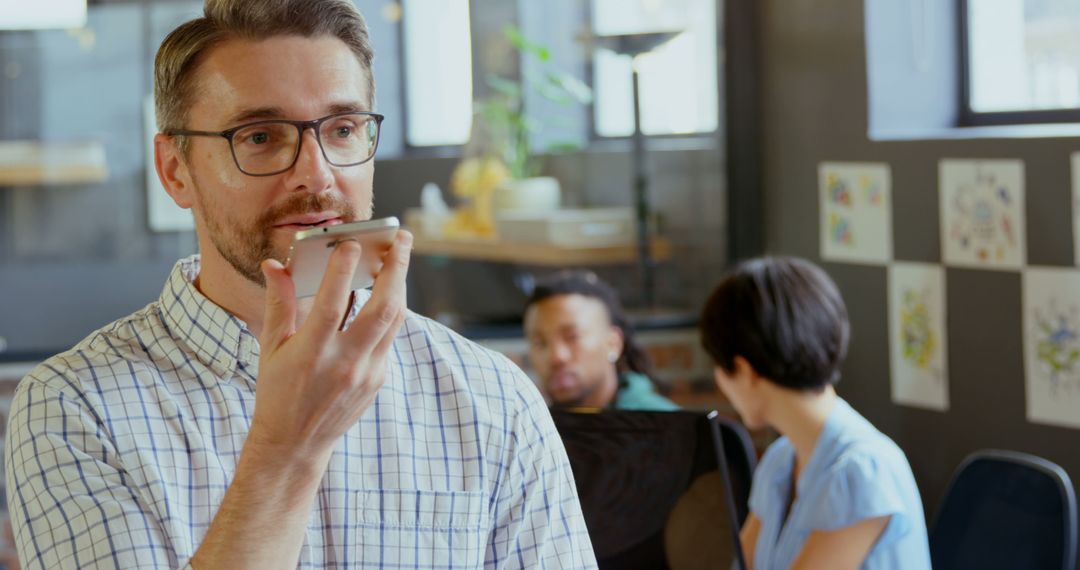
<point>635,46</point>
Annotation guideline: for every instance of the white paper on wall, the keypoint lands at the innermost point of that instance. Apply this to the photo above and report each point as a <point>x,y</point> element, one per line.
<point>163,214</point>
<point>1076,205</point>
<point>917,336</point>
<point>855,203</point>
<point>1052,345</point>
<point>982,213</point>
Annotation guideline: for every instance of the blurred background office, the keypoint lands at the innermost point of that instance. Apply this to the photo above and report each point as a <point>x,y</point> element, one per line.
<point>482,98</point>
<point>512,148</point>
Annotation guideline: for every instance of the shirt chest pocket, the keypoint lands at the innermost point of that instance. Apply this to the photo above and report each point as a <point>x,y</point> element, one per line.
<point>421,529</point>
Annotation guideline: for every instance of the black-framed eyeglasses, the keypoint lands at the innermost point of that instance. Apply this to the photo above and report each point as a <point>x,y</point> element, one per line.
<point>265,148</point>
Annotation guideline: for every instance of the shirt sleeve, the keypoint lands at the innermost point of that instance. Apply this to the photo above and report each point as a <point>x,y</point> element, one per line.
<point>71,503</point>
<point>862,485</point>
<point>761,488</point>
<point>537,515</point>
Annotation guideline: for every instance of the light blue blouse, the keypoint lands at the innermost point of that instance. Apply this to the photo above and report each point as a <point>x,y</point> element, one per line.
<point>854,473</point>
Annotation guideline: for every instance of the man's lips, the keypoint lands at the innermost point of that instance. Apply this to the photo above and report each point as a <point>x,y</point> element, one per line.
<point>563,381</point>
<point>308,221</point>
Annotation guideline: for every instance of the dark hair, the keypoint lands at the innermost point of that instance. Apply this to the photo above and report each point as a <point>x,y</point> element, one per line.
<point>587,284</point>
<point>784,316</point>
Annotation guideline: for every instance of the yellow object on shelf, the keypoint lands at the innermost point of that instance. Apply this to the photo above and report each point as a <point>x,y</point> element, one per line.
<point>31,163</point>
<point>474,176</point>
<point>474,181</point>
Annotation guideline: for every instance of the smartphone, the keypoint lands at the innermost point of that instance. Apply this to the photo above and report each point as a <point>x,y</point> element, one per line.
<point>311,249</point>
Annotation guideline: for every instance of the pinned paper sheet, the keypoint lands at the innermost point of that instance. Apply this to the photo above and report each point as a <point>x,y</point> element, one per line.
<point>982,213</point>
<point>856,212</point>
<point>917,335</point>
<point>1076,205</point>
<point>1052,345</point>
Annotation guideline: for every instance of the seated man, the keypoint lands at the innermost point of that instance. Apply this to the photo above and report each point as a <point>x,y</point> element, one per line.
<point>583,348</point>
<point>229,424</point>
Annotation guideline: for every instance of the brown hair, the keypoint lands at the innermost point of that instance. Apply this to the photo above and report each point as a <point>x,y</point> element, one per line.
<point>183,49</point>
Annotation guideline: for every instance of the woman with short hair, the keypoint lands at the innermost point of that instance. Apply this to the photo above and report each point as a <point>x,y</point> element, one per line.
<point>832,491</point>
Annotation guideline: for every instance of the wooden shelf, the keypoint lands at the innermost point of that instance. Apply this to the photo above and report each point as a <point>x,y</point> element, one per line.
<point>478,249</point>
<point>33,163</point>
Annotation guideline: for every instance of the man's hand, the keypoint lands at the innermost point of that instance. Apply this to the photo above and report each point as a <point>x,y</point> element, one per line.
<point>316,381</point>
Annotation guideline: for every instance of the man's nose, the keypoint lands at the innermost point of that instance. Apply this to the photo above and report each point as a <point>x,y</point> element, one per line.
<point>559,353</point>
<point>311,172</point>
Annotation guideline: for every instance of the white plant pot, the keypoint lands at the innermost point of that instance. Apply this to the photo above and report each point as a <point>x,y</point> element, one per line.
<point>537,193</point>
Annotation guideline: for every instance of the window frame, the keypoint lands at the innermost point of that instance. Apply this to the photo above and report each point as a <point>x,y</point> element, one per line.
<point>599,141</point>
<point>968,117</point>
<point>593,140</point>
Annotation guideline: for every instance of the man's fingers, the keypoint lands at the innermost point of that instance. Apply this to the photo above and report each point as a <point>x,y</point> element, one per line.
<point>279,317</point>
<point>332,299</point>
<point>387,340</point>
<point>381,315</point>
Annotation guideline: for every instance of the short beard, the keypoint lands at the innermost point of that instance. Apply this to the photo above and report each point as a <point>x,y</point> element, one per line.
<point>245,248</point>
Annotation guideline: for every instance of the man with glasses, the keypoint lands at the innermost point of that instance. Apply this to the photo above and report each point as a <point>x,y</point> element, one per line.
<point>230,425</point>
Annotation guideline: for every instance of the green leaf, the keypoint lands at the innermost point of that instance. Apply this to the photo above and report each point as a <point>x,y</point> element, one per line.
<point>563,146</point>
<point>506,87</point>
<point>577,88</point>
<point>524,45</point>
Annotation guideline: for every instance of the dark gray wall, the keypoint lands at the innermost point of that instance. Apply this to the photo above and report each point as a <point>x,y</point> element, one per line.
<point>815,109</point>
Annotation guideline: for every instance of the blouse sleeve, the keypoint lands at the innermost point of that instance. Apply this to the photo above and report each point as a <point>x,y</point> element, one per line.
<point>765,474</point>
<point>862,485</point>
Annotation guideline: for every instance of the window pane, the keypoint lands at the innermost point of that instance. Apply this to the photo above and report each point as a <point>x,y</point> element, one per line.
<point>678,78</point>
<point>438,72</point>
<point>1024,54</point>
<point>42,14</point>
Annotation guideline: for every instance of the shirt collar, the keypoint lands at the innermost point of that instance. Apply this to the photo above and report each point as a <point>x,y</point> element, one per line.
<point>219,340</point>
<point>824,448</point>
<point>635,381</point>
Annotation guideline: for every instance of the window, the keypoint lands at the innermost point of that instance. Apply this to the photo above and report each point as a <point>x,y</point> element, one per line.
<point>1021,61</point>
<point>438,72</point>
<point>678,79</point>
<point>42,14</point>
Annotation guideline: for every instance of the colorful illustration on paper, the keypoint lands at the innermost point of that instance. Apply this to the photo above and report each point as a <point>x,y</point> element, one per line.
<point>840,230</point>
<point>982,213</point>
<point>917,332</point>
<point>1052,345</point>
<point>856,212</point>
<point>1057,345</point>
<point>1075,159</point>
<point>918,340</point>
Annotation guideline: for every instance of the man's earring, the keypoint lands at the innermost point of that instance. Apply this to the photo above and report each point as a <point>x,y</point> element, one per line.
<point>612,357</point>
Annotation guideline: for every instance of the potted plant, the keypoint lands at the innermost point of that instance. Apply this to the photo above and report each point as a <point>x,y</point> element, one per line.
<point>500,170</point>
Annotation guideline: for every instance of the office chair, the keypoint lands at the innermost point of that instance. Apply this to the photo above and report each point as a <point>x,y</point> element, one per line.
<point>652,489</point>
<point>1007,510</point>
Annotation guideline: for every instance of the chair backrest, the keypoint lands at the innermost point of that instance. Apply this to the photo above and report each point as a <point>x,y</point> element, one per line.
<point>651,488</point>
<point>1006,509</point>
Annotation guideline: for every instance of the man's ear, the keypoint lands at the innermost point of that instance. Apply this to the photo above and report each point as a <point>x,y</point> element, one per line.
<point>615,342</point>
<point>172,171</point>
